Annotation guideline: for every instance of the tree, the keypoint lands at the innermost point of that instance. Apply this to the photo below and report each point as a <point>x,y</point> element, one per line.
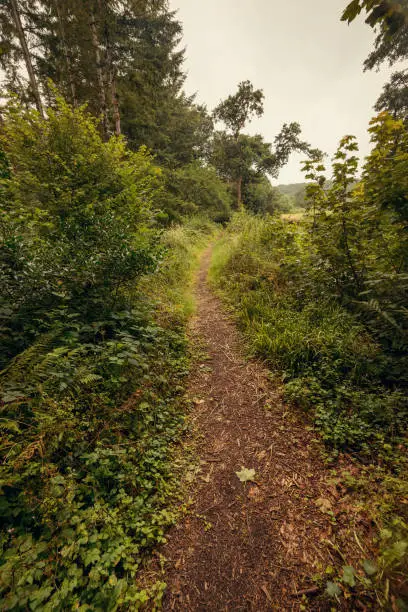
<point>261,197</point>
<point>394,97</point>
<point>101,77</point>
<point>235,112</point>
<point>385,173</point>
<point>25,52</point>
<point>120,57</point>
<point>246,159</point>
<point>194,188</point>
<point>239,108</point>
<point>390,20</point>
<point>240,159</point>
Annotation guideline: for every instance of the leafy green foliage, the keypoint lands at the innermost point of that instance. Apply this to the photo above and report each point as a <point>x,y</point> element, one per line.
<point>334,212</point>
<point>78,222</point>
<point>249,160</point>
<point>367,253</point>
<point>240,107</point>
<point>120,58</point>
<point>261,197</point>
<point>194,189</point>
<point>91,396</point>
<point>85,473</point>
<point>332,365</point>
<point>394,97</point>
<point>390,20</point>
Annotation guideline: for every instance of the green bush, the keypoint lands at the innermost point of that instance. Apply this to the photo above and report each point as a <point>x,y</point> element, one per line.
<point>196,189</point>
<point>261,197</point>
<point>77,223</point>
<point>87,426</point>
<point>331,364</point>
<point>92,386</point>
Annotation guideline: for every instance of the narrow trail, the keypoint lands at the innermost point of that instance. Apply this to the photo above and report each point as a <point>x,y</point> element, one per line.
<point>251,546</point>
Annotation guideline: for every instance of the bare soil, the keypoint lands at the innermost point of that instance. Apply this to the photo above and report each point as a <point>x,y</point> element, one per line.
<point>256,545</point>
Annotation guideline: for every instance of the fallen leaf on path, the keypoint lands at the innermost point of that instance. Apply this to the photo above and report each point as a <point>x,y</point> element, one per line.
<point>349,575</point>
<point>370,567</point>
<point>246,475</point>
<point>197,401</point>
<point>323,504</point>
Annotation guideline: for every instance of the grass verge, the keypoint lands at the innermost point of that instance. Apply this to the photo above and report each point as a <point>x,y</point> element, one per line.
<point>331,368</point>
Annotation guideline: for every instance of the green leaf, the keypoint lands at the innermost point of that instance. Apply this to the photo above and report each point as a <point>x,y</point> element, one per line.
<point>349,575</point>
<point>333,589</point>
<point>370,567</point>
<point>245,475</point>
<point>351,11</point>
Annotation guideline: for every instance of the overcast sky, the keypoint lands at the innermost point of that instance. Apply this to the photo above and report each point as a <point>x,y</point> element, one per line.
<point>306,60</point>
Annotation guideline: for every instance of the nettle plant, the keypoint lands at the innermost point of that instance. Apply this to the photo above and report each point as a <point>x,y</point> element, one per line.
<point>358,227</point>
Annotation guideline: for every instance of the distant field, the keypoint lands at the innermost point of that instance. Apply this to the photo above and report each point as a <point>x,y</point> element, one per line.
<point>293,217</point>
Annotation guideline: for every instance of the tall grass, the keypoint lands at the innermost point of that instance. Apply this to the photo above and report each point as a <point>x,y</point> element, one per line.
<point>171,287</point>
<point>331,365</point>
<point>328,365</point>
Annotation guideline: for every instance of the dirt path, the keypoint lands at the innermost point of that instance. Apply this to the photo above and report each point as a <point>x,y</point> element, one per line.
<point>246,546</point>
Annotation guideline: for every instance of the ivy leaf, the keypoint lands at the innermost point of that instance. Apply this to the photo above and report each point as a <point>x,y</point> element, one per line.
<point>370,567</point>
<point>245,475</point>
<point>333,589</point>
<point>349,575</point>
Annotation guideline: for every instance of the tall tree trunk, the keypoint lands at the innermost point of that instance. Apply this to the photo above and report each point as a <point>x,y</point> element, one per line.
<point>66,53</point>
<point>112,82</point>
<point>99,74</point>
<point>27,57</point>
<point>115,105</point>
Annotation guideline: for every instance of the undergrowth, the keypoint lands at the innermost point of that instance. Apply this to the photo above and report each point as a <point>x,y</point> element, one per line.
<point>173,283</point>
<point>90,413</point>
<point>330,364</point>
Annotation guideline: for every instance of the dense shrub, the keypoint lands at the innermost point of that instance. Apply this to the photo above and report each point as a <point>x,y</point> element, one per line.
<point>86,430</point>
<point>91,397</point>
<point>76,224</point>
<point>196,189</point>
<point>261,197</point>
<point>333,365</point>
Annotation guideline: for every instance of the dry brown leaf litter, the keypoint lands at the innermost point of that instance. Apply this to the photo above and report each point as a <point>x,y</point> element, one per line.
<point>255,545</point>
